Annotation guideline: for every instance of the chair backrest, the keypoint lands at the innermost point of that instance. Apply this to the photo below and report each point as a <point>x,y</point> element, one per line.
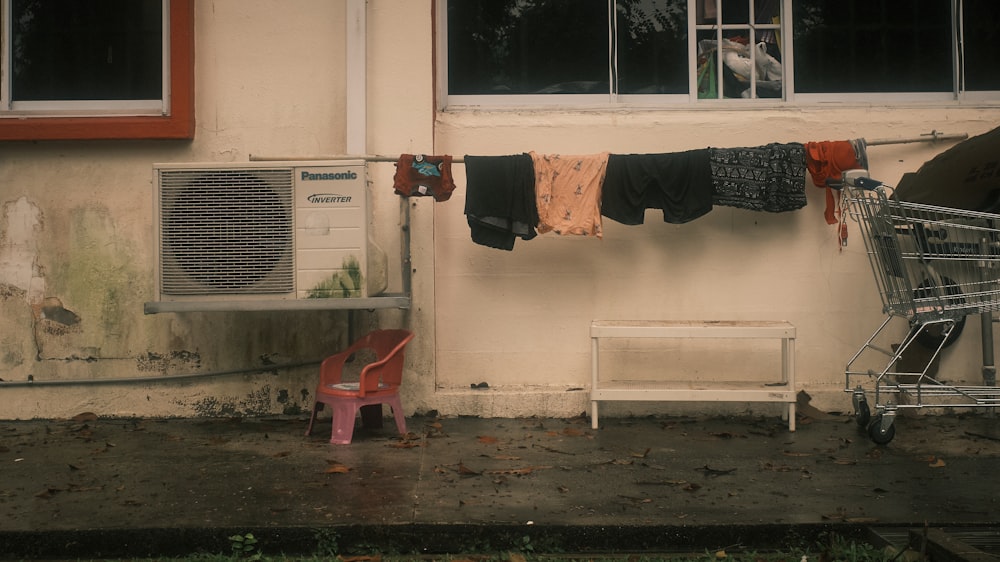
<point>389,353</point>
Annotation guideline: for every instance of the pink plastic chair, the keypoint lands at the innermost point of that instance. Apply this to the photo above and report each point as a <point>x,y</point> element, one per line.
<point>378,383</point>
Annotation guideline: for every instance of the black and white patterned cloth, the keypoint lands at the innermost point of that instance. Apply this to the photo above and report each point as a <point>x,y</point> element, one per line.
<point>765,178</point>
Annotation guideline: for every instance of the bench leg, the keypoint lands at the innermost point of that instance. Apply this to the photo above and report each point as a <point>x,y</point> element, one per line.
<point>788,376</point>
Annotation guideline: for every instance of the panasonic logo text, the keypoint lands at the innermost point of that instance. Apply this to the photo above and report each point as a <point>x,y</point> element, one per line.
<point>328,198</point>
<point>310,176</point>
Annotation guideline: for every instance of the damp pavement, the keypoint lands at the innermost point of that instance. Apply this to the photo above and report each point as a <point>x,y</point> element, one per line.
<point>92,487</point>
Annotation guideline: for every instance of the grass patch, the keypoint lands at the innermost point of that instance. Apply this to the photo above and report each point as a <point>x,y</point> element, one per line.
<point>831,548</point>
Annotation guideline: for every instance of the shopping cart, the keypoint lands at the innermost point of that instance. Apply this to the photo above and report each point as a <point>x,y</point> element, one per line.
<point>934,266</point>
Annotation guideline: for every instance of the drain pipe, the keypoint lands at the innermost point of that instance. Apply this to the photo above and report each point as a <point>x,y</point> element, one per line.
<point>357,94</point>
<point>357,77</point>
<point>155,378</point>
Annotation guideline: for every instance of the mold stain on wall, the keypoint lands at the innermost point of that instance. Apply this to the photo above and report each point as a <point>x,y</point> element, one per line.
<point>344,284</point>
<point>22,284</point>
<point>288,406</point>
<point>178,361</point>
<point>14,346</point>
<point>92,283</point>
<point>100,271</point>
<point>254,403</point>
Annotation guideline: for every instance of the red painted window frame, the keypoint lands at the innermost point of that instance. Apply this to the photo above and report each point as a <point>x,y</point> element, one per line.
<point>179,124</point>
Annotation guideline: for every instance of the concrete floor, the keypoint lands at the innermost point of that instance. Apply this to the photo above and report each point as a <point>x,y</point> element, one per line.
<point>93,487</point>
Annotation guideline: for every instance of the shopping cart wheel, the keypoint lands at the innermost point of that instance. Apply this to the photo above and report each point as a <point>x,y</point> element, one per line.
<point>879,435</point>
<point>862,412</point>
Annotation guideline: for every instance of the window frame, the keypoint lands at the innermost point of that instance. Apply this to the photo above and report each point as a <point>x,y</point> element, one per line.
<point>690,100</point>
<point>173,118</point>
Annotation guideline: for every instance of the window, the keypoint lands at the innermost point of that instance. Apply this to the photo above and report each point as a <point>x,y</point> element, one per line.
<point>739,49</point>
<point>707,51</point>
<point>96,69</point>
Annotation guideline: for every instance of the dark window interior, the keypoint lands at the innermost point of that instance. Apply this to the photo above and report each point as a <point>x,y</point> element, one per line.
<point>982,35</point>
<point>844,46</point>
<point>93,50</point>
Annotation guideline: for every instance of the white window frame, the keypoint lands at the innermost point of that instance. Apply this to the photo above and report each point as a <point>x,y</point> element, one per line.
<point>81,108</point>
<point>690,100</point>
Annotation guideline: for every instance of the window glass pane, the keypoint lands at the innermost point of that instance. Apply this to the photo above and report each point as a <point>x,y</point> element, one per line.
<point>746,51</point>
<point>982,35</point>
<point>766,11</point>
<point>737,11</point>
<point>652,47</point>
<point>86,50</point>
<point>872,46</point>
<point>528,47</point>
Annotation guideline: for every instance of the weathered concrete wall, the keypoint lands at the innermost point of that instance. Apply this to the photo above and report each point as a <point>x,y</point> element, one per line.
<point>76,256</point>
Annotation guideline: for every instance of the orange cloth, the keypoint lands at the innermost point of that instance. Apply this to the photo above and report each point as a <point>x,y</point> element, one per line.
<point>568,193</point>
<point>421,175</point>
<point>826,161</point>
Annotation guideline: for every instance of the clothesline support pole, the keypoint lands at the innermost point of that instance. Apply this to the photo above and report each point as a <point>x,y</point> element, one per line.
<point>932,136</point>
<point>365,157</point>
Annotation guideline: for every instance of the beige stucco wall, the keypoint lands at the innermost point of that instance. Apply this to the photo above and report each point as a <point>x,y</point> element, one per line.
<point>77,236</point>
<point>521,319</point>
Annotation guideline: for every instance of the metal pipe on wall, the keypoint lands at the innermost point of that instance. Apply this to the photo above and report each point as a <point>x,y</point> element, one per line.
<point>157,378</point>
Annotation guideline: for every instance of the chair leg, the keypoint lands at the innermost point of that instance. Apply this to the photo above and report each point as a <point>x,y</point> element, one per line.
<point>397,414</point>
<point>343,423</point>
<point>317,406</point>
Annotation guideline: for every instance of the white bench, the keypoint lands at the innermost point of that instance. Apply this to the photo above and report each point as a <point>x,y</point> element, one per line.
<point>782,391</point>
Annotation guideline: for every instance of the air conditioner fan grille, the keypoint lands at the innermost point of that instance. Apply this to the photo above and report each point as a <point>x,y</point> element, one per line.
<point>226,232</point>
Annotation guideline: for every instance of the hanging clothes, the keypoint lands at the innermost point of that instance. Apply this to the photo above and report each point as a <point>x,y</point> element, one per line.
<point>419,175</point>
<point>826,161</point>
<point>679,184</point>
<point>568,193</point>
<point>764,178</point>
<point>500,199</point>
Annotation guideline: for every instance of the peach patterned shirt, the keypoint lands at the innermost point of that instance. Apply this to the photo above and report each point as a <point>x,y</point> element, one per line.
<point>568,193</point>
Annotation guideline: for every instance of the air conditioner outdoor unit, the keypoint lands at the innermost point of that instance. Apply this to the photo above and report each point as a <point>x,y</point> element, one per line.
<point>261,230</point>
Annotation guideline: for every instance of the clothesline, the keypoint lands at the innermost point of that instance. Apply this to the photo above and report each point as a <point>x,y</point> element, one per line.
<point>365,157</point>
<point>932,136</point>
<point>506,199</point>
<point>926,137</point>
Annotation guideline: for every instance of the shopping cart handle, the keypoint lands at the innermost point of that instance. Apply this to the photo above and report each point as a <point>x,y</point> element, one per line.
<point>866,183</point>
<point>859,178</point>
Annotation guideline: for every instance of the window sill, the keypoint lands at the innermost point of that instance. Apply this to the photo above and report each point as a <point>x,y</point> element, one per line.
<point>637,106</point>
<point>96,128</point>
